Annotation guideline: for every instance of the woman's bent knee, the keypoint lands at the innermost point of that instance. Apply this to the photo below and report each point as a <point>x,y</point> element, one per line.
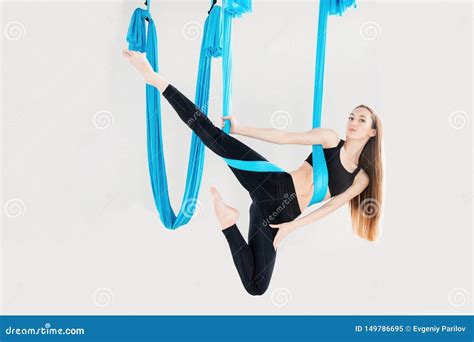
<point>256,290</point>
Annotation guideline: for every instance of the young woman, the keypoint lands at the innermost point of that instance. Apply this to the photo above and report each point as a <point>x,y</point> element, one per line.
<point>278,198</point>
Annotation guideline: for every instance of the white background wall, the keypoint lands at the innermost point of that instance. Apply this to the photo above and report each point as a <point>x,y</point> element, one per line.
<point>80,232</point>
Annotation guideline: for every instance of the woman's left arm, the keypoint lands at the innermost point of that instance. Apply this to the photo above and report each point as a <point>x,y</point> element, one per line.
<point>360,183</point>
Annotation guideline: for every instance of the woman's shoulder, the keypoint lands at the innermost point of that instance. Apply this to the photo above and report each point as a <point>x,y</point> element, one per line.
<point>362,176</point>
<point>332,140</point>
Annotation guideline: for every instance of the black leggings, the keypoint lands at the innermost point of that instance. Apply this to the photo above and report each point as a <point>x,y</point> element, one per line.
<point>272,193</point>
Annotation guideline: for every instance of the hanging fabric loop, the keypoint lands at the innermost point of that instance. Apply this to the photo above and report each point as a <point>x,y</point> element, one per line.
<point>145,40</point>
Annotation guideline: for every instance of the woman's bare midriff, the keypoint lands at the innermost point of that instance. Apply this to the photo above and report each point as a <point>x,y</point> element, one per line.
<point>304,187</point>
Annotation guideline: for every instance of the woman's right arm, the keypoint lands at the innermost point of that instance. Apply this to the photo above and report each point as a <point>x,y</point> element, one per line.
<point>314,136</point>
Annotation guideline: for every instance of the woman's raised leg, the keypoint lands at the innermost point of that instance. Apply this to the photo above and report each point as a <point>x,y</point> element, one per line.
<point>213,137</point>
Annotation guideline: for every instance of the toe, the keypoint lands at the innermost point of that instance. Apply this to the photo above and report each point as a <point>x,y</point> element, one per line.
<point>215,193</point>
<point>215,197</point>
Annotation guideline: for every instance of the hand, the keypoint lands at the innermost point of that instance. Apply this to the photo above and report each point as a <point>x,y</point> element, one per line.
<point>284,229</point>
<point>234,125</point>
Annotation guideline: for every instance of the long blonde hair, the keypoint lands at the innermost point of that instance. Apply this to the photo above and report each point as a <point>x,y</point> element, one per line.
<point>366,208</point>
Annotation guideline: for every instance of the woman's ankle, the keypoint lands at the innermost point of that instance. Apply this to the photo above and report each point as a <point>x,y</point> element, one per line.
<point>149,78</point>
<point>156,80</point>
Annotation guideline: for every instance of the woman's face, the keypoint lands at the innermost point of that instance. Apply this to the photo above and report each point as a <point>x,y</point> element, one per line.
<point>359,123</point>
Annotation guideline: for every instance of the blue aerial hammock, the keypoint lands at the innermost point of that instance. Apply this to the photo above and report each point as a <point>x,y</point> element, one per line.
<point>216,42</point>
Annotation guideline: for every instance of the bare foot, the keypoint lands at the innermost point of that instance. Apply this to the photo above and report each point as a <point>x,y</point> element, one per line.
<point>140,62</point>
<point>227,216</point>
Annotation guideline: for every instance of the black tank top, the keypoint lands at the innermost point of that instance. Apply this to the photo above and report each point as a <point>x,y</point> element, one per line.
<point>339,179</point>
